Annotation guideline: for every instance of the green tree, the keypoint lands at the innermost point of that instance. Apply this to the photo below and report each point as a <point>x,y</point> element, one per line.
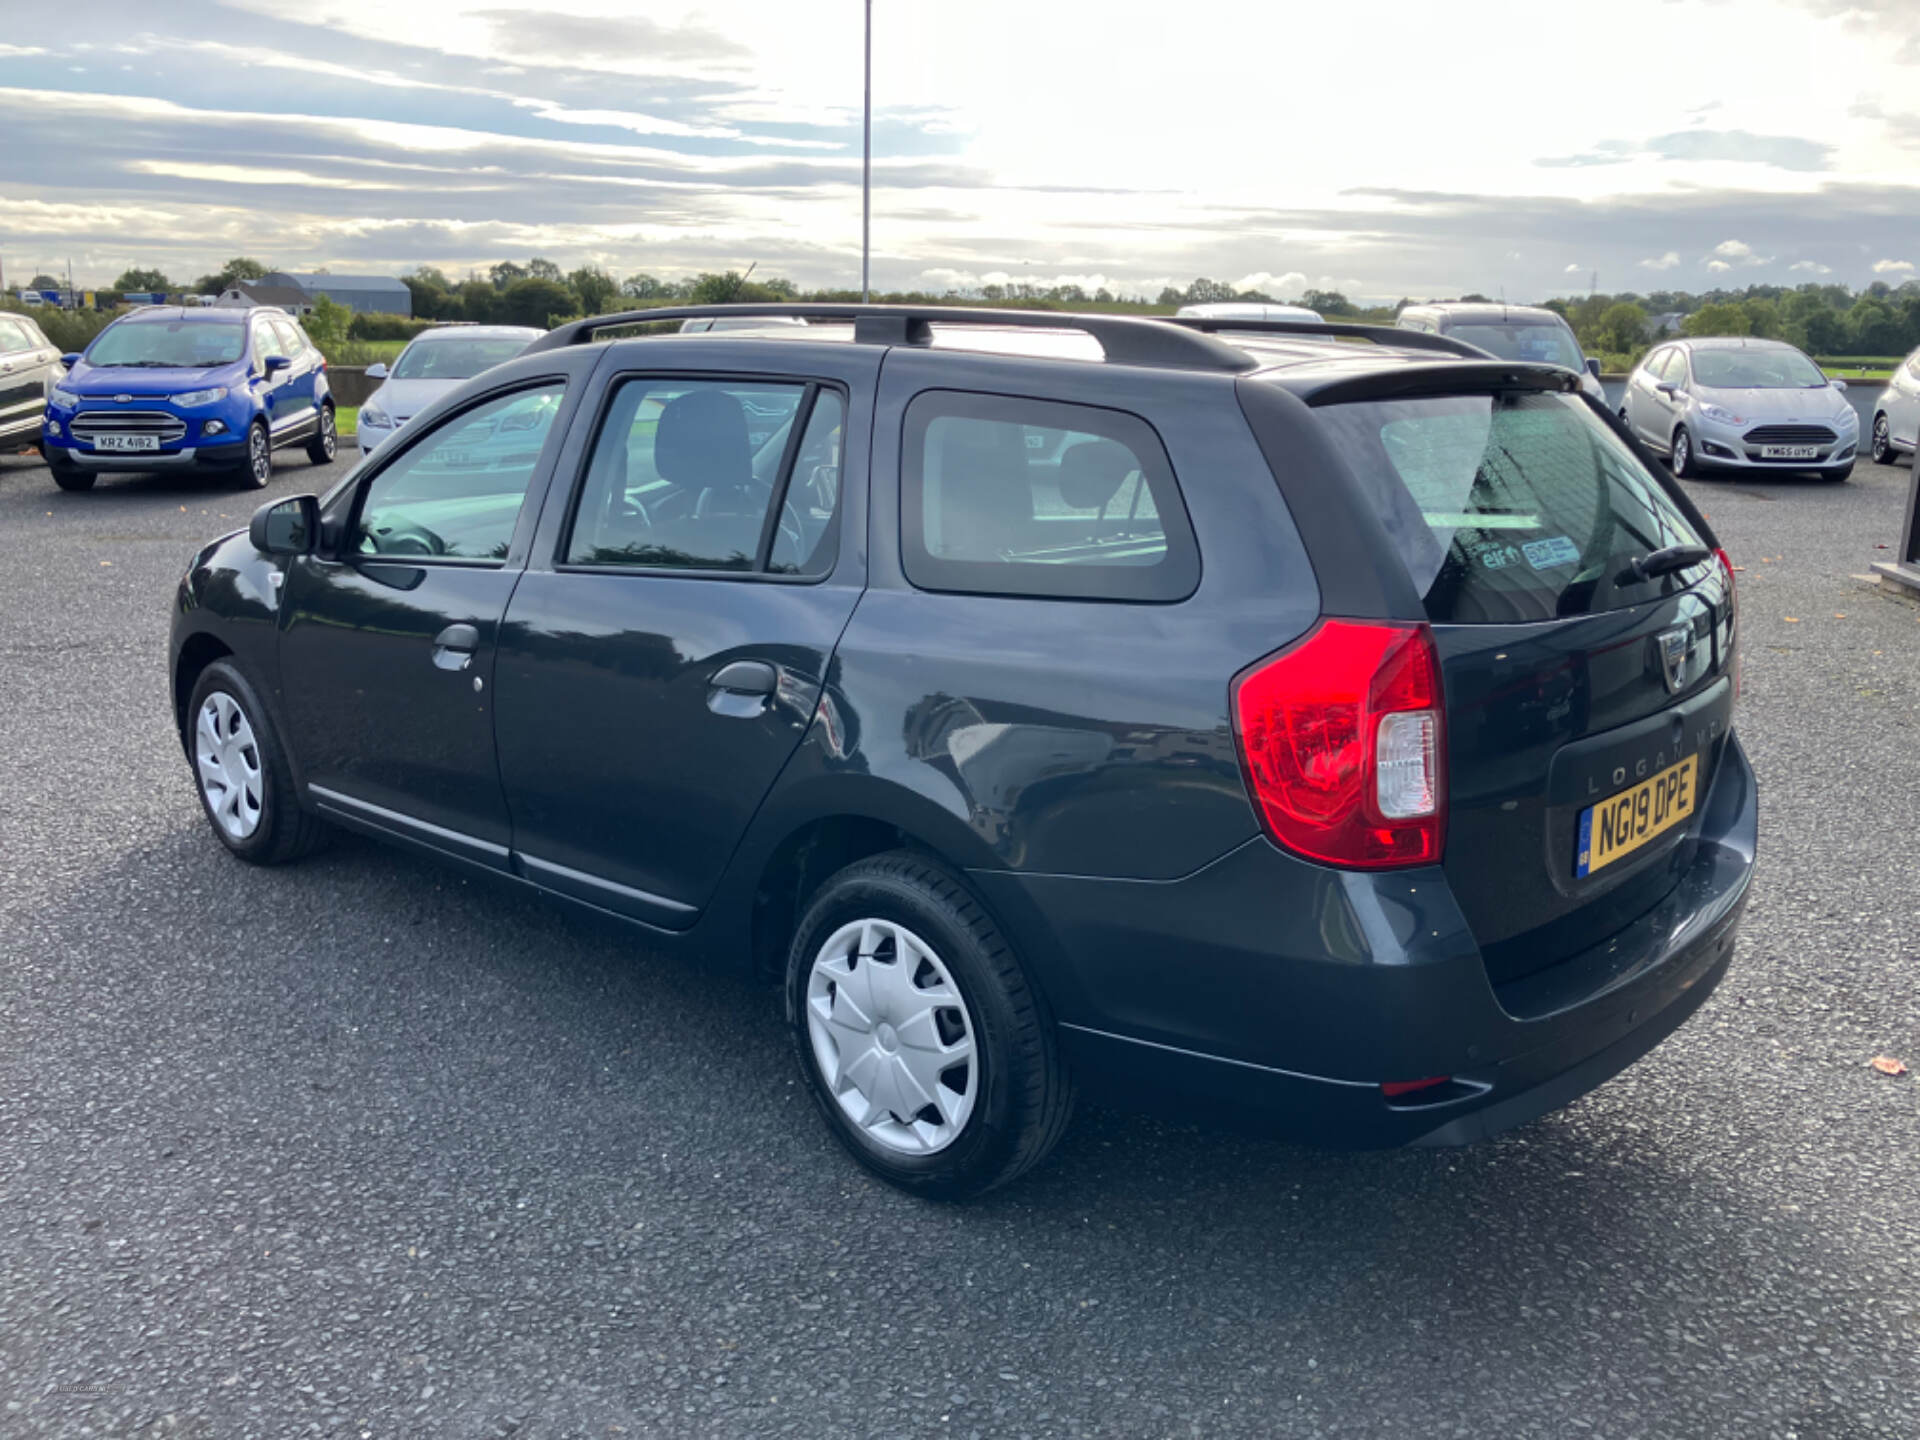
<point>327,324</point>
<point>535,302</point>
<point>595,288</point>
<point>1328,302</point>
<point>152,282</point>
<point>1725,317</point>
<point>235,270</point>
<point>506,273</point>
<point>1622,329</point>
<point>44,281</point>
<point>642,287</point>
<point>1873,328</point>
<point>543,269</point>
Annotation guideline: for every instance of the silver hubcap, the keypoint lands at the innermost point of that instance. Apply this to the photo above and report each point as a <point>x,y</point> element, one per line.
<point>326,431</point>
<point>1880,437</point>
<point>259,447</point>
<point>228,759</point>
<point>1680,451</point>
<point>892,1036</point>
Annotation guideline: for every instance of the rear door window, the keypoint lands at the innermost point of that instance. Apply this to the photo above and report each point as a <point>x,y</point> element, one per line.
<point>13,336</point>
<point>1511,507</point>
<point>1007,496</point>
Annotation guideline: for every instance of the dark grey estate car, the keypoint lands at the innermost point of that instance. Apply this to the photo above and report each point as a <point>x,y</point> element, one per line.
<point>1222,715</point>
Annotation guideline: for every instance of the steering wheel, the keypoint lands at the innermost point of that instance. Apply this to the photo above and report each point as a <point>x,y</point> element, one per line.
<point>406,537</point>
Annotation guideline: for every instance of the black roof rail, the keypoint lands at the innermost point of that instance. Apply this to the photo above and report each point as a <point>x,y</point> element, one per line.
<point>1379,334</point>
<point>1126,339</point>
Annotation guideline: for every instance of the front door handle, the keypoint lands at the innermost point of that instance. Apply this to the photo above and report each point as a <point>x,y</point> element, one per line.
<point>746,677</point>
<point>453,647</point>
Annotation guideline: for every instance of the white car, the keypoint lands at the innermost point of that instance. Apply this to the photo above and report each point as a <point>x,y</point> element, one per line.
<point>1896,419</point>
<point>432,364</point>
<point>703,326</point>
<point>1740,404</point>
<point>1250,310</point>
<point>1513,332</point>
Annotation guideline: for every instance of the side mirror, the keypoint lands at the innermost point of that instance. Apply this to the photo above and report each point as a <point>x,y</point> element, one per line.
<point>1593,367</point>
<point>277,363</point>
<point>1839,384</point>
<point>70,360</point>
<point>377,370</point>
<point>285,527</point>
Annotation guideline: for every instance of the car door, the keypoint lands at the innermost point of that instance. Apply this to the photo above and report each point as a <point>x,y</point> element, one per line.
<point>1642,397</point>
<point>302,375</point>
<point>666,649</point>
<point>23,377</point>
<point>273,386</point>
<point>1902,402</point>
<point>387,637</point>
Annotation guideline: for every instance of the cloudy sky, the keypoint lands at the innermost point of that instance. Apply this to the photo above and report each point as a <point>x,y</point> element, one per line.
<point>1382,147</point>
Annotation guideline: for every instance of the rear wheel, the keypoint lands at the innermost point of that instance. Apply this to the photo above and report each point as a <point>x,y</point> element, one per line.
<point>1882,441</point>
<point>1682,462</point>
<point>926,1048</point>
<point>241,772</point>
<point>320,449</point>
<point>259,467</point>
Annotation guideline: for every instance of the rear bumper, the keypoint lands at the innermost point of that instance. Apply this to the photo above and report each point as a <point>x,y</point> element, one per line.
<point>1280,993</point>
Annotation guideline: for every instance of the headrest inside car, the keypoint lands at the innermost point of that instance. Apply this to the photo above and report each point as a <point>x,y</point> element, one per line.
<point>1092,471</point>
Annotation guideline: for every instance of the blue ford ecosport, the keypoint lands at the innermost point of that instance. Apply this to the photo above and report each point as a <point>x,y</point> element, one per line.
<point>168,388</point>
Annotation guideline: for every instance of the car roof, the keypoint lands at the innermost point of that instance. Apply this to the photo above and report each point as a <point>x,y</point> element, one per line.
<point>479,332</point>
<point>1734,342</point>
<point>1486,311</point>
<point>209,314</point>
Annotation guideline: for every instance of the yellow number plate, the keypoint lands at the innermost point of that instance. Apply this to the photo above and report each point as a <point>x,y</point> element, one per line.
<point>1630,819</point>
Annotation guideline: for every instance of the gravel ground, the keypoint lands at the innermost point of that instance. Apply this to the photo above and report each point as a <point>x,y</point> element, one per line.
<point>358,1148</point>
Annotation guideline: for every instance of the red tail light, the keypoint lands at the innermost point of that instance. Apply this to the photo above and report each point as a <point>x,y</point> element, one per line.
<point>1343,743</point>
<point>1733,608</point>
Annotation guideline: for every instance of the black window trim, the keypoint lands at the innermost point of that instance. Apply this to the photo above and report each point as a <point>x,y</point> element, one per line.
<point>810,386</point>
<point>356,486</point>
<point>1090,584</point>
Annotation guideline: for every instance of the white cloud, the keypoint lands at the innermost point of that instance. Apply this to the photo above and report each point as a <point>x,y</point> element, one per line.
<point>1267,283</point>
<point>1574,269</point>
<point>1661,262</point>
<point>1810,267</point>
<point>1718,267</point>
<point>1892,267</point>
<point>1729,253</point>
<point>13,52</point>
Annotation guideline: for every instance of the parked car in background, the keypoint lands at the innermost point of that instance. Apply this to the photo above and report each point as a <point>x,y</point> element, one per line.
<point>1250,310</point>
<point>1512,332</point>
<point>1338,732</point>
<point>1736,403</point>
<point>434,362</point>
<point>705,325</point>
<point>29,368</point>
<point>1896,419</point>
<point>169,388</point>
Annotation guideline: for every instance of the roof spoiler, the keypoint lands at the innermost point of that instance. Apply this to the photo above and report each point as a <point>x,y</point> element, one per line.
<point>1378,334</point>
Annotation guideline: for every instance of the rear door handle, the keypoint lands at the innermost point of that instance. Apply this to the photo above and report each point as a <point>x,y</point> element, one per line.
<point>453,647</point>
<point>746,677</point>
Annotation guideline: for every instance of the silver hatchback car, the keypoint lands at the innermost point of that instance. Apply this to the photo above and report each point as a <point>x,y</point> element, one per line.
<point>1740,404</point>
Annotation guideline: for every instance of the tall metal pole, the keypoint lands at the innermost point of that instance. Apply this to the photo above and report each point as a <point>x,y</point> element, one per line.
<point>866,168</point>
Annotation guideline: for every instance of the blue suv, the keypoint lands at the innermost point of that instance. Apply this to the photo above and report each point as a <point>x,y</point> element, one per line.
<point>168,388</point>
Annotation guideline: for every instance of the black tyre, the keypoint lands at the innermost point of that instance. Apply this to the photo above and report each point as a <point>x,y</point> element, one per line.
<point>320,450</point>
<point>70,477</point>
<point>258,468</point>
<point>1681,461</point>
<point>1882,441</point>
<point>240,771</point>
<point>927,1048</point>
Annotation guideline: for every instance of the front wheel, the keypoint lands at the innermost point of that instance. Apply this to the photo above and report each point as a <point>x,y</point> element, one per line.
<point>1682,464</point>
<point>925,1046</point>
<point>1882,441</point>
<point>241,771</point>
<point>321,448</point>
<point>259,466</point>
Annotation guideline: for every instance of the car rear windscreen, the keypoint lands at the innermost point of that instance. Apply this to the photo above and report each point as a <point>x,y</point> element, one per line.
<point>1531,340</point>
<point>1510,507</point>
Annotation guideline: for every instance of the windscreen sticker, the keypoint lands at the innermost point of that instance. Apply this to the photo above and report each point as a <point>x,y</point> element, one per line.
<point>1493,556</point>
<point>1546,554</point>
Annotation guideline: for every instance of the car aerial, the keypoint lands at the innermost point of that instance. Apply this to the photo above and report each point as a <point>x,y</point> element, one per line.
<point>1896,419</point>
<point>29,369</point>
<point>434,362</point>
<point>1512,332</point>
<point>168,388</point>
<point>1248,310</point>
<point>1336,733</point>
<point>1740,404</point>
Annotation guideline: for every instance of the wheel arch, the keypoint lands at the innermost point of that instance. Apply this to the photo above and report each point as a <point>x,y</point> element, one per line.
<point>197,652</point>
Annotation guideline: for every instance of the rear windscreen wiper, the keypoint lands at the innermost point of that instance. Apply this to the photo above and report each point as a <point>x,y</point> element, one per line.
<point>1665,562</point>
